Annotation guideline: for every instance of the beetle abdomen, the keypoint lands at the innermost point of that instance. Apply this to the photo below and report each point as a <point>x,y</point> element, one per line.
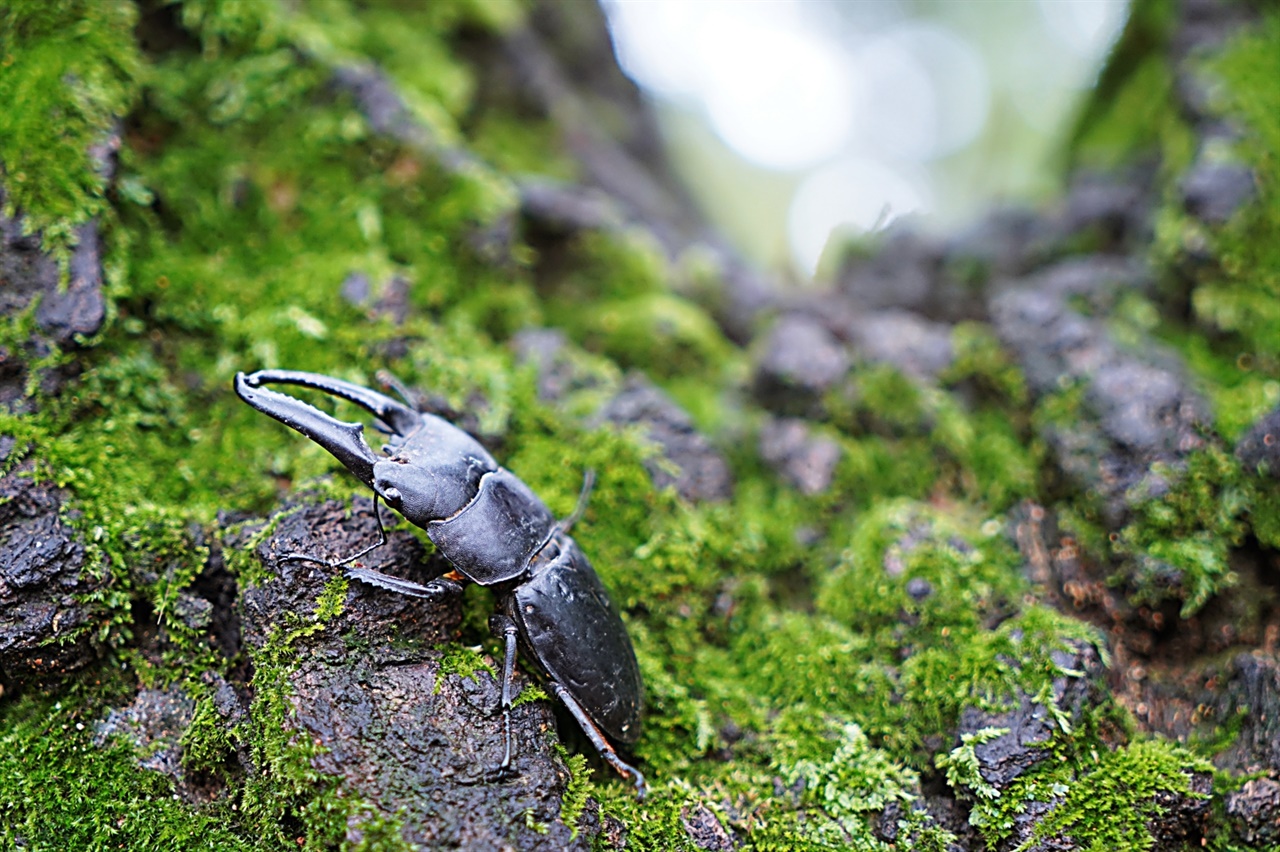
<point>494,537</point>
<point>571,625</point>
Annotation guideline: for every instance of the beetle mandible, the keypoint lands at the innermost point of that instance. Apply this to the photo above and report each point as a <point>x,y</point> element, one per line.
<point>495,532</point>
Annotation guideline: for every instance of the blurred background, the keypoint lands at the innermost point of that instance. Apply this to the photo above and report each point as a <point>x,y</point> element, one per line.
<point>791,119</point>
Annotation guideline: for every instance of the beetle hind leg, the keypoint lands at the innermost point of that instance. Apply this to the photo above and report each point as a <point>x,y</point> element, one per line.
<point>606,751</point>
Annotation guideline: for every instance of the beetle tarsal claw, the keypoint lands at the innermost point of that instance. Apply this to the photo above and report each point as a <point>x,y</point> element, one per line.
<point>501,773</point>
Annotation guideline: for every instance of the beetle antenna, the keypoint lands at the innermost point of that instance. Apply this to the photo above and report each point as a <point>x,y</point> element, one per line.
<point>382,539</point>
<point>588,482</point>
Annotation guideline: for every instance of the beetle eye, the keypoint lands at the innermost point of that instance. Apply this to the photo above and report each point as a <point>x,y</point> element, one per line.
<point>391,495</point>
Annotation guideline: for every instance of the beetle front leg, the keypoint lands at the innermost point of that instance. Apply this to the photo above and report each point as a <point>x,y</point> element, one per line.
<point>504,628</point>
<point>328,563</point>
<point>445,587</point>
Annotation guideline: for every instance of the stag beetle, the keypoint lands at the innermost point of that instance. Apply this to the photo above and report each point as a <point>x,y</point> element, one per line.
<point>495,532</point>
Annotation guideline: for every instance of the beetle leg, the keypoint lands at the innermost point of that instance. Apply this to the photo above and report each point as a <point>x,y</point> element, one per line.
<point>504,628</point>
<point>382,539</point>
<point>440,588</point>
<point>606,751</point>
<point>588,481</point>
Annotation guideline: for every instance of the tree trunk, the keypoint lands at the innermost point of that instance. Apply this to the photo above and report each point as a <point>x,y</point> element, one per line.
<point>974,549</point>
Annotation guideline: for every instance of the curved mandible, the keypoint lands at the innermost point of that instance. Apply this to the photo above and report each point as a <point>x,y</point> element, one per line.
<point>402,419</point>
<point>345,441</point>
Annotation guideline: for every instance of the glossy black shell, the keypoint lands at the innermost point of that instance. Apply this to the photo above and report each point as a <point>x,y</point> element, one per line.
<point>495,537</point>
<point>496,531</point>
<point>571,626</point>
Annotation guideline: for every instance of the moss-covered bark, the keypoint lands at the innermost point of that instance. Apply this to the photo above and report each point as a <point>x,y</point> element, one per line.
<point>965,572</point>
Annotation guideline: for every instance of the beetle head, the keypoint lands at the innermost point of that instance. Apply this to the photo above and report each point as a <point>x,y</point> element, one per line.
<point>432,470</point>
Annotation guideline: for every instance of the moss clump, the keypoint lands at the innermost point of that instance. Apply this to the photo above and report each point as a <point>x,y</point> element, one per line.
<point>60,790</point>
<point>971,571</point>
<point>883,401</point>
<point>1241,386</point>
<point>1102,801</point>
<point>841,795</point>
<point>661,333</point>
<point>1181,520</point>
<point>614,297</point>
<point>604,266</point>
<point>68,71</point>
<point>980,362</point>
<point>908,438</point>
<point>578,791</point>
<point>1242,293</point>
<point>1180,540</point>
<point>207,743</point>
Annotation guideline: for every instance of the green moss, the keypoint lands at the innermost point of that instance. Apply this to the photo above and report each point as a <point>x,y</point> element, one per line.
<point>69,71</point>
<point>463,662</point>
<point>855,783</point>
<point>1240,386</point>
<point>1180,541</point>
<point>606,265</point>
<point>576,793</point>
<point>971,572</point>
<point>1265,515</point>
<point>1241,295</point>
<point>59,790</point>
<point>871,468</point>
<point>374,832</point>
<point>1102,798</point>
<point>909,438</point>
<point>1115,795</point>
<point>661,333</point>
<point>613,296</point>
<point>206,743</point>
<point>885,401</point>
<point>992,462</point>
<point>1060,410</point>
<point>963,769</point>
<point>1132,112</point>
<point>982,362</point>
<point>518,145</point>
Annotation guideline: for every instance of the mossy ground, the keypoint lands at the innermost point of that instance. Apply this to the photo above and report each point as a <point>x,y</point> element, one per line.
<point>1228,276</point>
<point>248,191</point>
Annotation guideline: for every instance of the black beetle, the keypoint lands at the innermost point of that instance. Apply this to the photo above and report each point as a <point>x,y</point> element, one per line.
<point>495,532</point>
